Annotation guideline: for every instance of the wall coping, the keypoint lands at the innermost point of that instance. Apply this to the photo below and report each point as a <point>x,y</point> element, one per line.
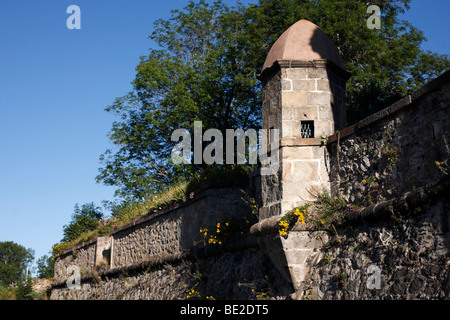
<point>400,105</point>
<point>371,214</point>
<point>155,214</point>
<point>210,250</point>
<point>195,197</point>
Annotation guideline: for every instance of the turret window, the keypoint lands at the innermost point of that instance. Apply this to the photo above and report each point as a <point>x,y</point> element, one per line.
<point>307,128</point>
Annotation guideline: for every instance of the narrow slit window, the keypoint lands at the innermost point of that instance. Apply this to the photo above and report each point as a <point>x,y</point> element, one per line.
<point>307,128</point>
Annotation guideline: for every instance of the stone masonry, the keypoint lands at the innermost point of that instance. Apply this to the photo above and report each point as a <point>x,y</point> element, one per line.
<point>391,241</point>
<point>305,100</point>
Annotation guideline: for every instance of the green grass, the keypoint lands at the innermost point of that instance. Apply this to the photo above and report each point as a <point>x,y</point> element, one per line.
<point>327,210</point>
<point>129,211</point>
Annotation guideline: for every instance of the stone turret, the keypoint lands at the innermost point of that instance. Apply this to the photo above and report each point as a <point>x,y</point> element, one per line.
<point>303,82</point>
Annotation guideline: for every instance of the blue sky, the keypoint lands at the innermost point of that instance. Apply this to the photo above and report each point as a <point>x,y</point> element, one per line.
<point>54,86</point>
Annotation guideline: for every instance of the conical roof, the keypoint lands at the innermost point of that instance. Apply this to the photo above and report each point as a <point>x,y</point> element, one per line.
<point>303,41</point>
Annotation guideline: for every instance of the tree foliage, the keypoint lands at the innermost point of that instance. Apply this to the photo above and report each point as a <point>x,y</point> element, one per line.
<point>199,73</point>
<point>25,291</point>
<point>83,219</point>
<point>45,267</point>
<point>385,64</point>
<point>205,69</point>
<point>14,260</point>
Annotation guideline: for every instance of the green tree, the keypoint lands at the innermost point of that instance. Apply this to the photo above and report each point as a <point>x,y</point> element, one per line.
<point>83,219</point>
<point>199,73</point>
<point>25,291</point>
<point>45,267</point>
<point>206,65</point>
<point>14,260</point>
<point>385,64</point>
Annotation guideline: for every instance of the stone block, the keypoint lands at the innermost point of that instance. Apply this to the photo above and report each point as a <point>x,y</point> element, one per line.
<point>318,98</point>
<point>297,256</point>
<point>292,255</point>
<point>287,113</point>
<point>294,192</point>
<point>293,98</point>
<point>298,275</point>
<point>302,152</point>
<point>306,113</point>
<point>324,128</point>
<point>304,85</point>
<point>295,73</point>
<point>304,240</point>
<point>294,128</point>
<point>286,85</point>
<point>317,73</point>
<point>288,128</point>
<point>324,175</point>
<point>326,113</point>
<point>300,171</point>
<point>299,194</point>
<point>292,153</point>
<point>323,85</point>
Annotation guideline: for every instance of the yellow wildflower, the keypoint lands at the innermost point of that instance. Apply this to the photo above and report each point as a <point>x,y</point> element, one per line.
<point>301,218</point>
<point>284,224</point>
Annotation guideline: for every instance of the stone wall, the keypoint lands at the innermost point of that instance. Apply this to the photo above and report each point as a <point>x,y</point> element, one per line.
<point>299,95</point>
<point>393,239</point>
<point>164,256</point>
<point>82,256</point>
<point>394,243</point>
<point>394,150</point>
<point>241,274</point>
<point>168,232</point>
<point>173,232</point>
<point>400,258</point>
